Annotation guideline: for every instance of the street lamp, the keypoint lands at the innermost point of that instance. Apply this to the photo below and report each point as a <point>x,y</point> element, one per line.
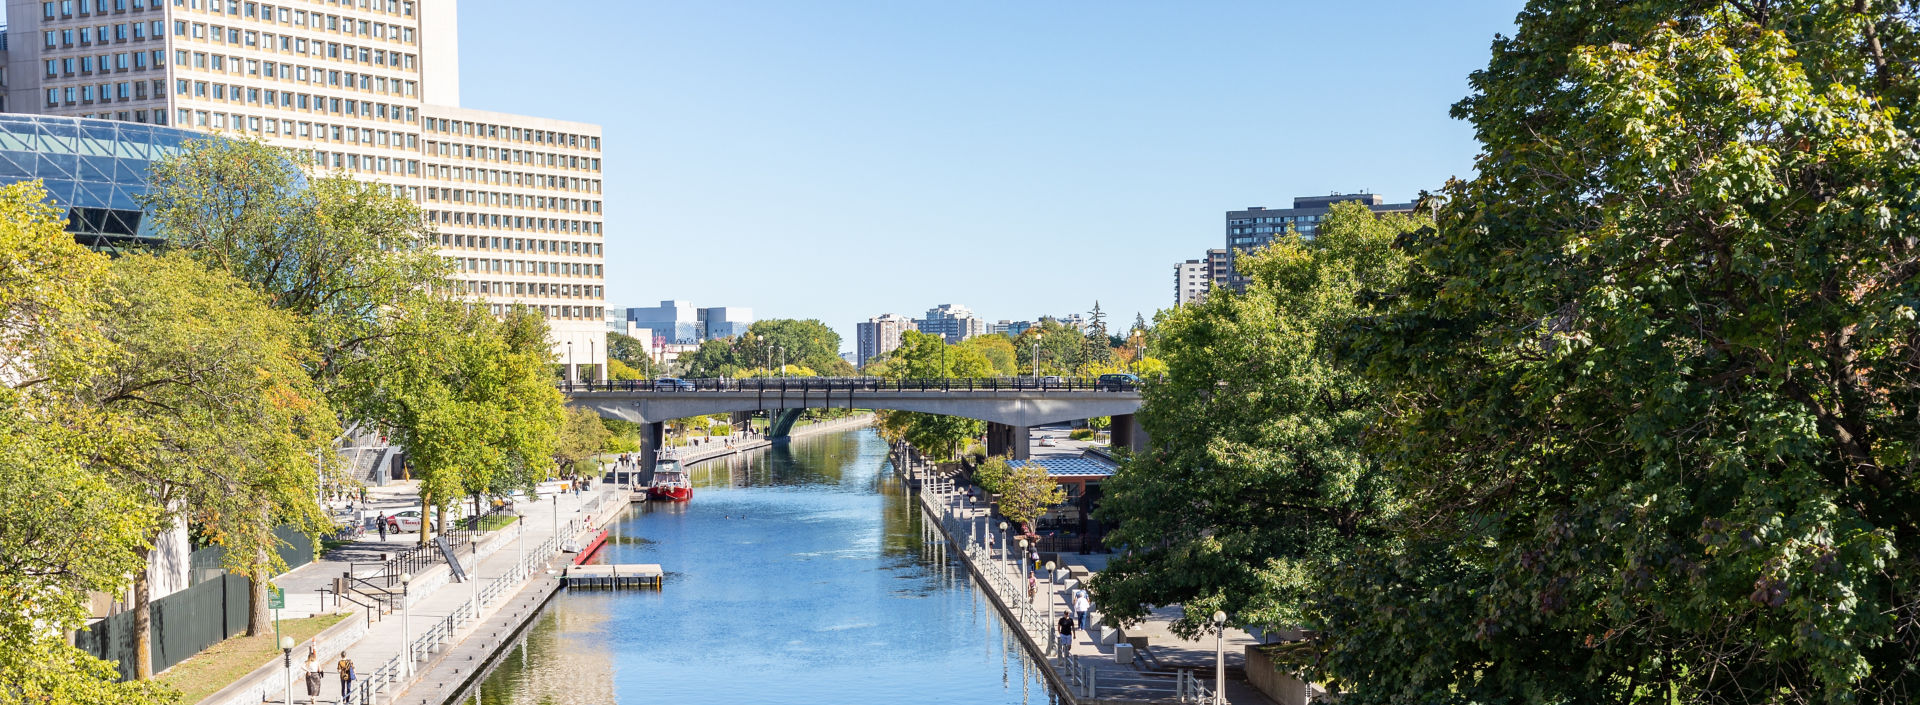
<point>286,660</point>
<point>1024,572</point>
<point>406,625</point>
<point>569,363</point>
<point>1219,657</point>
<point>1003,540</point>
<point>521,518</point>
<point>1063,652</point>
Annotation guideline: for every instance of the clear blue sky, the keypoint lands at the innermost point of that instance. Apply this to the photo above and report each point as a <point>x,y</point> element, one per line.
<point>838,160</point>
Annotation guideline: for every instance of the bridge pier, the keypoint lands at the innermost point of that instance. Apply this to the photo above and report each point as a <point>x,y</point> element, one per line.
<point>1127,433</point>
<point>741,421</point>
<point>1013,442</point>
<point>652,436</point>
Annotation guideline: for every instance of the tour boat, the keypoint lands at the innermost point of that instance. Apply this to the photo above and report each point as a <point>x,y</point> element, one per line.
<point>670,482</point>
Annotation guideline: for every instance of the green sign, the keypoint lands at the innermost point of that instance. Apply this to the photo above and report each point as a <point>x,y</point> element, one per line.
<point>276,597</point>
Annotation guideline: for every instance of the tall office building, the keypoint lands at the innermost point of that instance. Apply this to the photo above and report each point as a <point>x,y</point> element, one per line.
<point>671,321</point>
<point>1255,227</point>
<point>880,335</point>
<point>1009,328</point>
<point>369,88</point>
<point>718,322</point>
<point>951,321</point>
<point>1190,281</point>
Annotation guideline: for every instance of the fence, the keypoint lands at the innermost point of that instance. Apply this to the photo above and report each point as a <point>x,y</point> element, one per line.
<point>183,624</point>
<point>860,384</point>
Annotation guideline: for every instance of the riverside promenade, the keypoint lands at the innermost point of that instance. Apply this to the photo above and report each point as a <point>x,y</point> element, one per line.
<point>409,654</point>
<point>1090,674</point>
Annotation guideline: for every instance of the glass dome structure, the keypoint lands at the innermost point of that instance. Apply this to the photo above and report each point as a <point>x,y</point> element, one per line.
<point>93,168</point>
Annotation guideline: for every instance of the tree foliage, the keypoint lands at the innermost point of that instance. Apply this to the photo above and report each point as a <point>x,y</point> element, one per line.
<point>1257,480</point>
<point>923,356</point>
<point>1029,492</point>
<point>1654,385</point>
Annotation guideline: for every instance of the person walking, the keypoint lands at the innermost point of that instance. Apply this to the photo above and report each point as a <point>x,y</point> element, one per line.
<point>382,521</point>
<point>311,670</point>
<point>1064,642</point>
<point>345,668</point>
<point>1081,605</point>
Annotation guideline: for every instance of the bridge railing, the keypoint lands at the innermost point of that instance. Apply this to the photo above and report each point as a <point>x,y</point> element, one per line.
<point>857,384</point>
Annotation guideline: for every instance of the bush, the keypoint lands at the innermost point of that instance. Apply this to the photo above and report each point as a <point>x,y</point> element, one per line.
<point>1081,434</point>
<point>720,430</point>
<point>992,475</point>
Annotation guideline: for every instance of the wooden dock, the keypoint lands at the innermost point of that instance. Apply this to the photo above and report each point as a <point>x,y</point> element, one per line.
<point>639,575</point>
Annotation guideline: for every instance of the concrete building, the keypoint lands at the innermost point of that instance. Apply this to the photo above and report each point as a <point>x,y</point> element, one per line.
<point>724,321</point>
<point>1220,266</point>
<point>1190,281</point>
<point>880,335</point>
<point>676,322</point>
<point>951,321</point>
<point>1009,328</point>
<point>368,88</point>
<point>1256,226</point>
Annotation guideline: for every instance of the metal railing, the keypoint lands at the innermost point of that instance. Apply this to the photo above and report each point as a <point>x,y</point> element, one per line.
<point>858,384</point>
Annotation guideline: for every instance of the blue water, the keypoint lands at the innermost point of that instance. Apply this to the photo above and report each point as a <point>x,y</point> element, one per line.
<point>796,575</point>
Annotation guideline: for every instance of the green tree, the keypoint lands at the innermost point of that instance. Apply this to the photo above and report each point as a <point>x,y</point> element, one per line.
<point>582,437</point>
<point>1029,492</point>
<point>809,343</point>
<point>68,530</point>
<point>998,352</point>
<point>1654,412</point>
<point>1257,480</point>
<point>992,474</point>
<point>921,356</point>
<point>216,418</point>
<point>1061,348</point>
<point>633,353</point>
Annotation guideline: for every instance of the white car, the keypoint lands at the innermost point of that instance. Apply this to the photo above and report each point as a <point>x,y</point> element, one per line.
<point>408,521</point>
<point>1048,442</point>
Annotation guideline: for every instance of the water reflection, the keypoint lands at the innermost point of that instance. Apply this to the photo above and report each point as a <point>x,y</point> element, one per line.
<point>799,574</point>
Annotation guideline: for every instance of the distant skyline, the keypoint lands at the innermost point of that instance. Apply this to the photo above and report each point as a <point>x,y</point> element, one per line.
<point>839,160</point>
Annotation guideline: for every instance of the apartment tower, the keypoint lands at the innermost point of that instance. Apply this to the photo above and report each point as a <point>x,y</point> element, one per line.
<point>369,88</point>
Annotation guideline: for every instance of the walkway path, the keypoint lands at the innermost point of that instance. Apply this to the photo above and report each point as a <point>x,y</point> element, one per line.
<point>440,613</point>
<point>1170,672</point>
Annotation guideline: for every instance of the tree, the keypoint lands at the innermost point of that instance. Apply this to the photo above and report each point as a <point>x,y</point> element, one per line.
<point>992,474</point>
<point>68,530</point>
<point>1257,480</point>
<point>632,353</point>
<point>997,350</point>
<point>1653,419</point>
<point>922,356</point>
<point>216,419</point>
<point>809,343</point>
<point>583,436</point>
<point>1061,347</point>
<point>619,371</point>
<point>1028,493</point>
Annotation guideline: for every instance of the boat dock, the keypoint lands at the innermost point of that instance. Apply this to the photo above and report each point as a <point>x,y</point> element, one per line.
<point>638,575</point>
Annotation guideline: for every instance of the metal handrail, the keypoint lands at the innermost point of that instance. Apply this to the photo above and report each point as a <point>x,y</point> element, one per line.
<point>856,384</point>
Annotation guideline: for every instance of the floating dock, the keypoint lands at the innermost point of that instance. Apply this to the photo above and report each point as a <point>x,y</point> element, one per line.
<point>640,575</point>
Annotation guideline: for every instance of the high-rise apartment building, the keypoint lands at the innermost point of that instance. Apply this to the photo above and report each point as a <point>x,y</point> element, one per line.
<point>1190,281</point>
<point>1219,266</point>
<point>880,335</point>
<point>369,88</point>
<point>951,321</point>
<point>1255,227</point>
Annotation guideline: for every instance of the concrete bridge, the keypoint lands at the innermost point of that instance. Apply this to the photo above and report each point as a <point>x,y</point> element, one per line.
<point>1010,406</point>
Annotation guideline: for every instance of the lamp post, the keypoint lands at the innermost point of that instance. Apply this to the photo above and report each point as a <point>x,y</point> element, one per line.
<point>570,373</point>
<point>1024,572</point>
<point>1219,657</point>
<point>596,367</point>
<point>1003,540</point>
<point>406,625</point>
<point>521,518</point>
<point>1050,597</point>
<point>286,661</point>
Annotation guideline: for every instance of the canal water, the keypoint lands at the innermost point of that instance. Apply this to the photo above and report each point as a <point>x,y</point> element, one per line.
<point>796,575</point>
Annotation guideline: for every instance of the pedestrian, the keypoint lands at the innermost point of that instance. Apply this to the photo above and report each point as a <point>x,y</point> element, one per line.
<point>311,670</point>
<point>382,521</point>
<point>1032,586</point>
<point>1081,605</point>
<point>345,667</point>
<point>1065,628</point>
<point>363,495</point>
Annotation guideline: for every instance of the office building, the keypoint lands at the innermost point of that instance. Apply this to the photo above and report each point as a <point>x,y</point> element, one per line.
<point>368,88</point>
<point>1255,227</point>
<point>724,322</point>
<point>951,321</point>
<point>1190,281</point>
<point>676,322</point>
<point>880,335</point>
<point>1009,328</point>
<point>95,169</point>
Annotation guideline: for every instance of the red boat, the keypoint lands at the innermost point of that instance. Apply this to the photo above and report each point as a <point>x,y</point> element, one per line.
<point>670,481</point>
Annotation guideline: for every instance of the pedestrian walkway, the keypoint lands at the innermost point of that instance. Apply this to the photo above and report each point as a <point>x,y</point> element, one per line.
<point>441,613</point>
<point>1091,673</point>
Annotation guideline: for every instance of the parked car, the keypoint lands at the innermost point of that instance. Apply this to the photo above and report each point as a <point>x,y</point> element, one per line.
<point>1048,442</point>
<point>1117,382</point>
<point>408,521</point>
<point>672,384</point>
<point>1051,382</point>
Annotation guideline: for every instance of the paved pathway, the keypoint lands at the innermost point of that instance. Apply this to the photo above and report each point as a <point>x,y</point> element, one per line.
<point>384,639</point>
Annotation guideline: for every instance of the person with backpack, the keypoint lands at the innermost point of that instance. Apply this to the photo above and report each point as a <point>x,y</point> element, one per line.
<point>345,667</point>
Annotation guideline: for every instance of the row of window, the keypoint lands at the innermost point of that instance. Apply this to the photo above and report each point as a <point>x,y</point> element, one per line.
<point>299,74</point>
<point>67,8</point>
<point>515,222</point>
<point>572,312</point>
<point>105,63</point>
<point>1278,219</point>
<point>295,45</point>
<point>531,268</point>
<point>529,245</point>
<point>104,34</point>
<point>506,132</point>
<point>140,116</point>
<point>315,20</point>
<point>101,93</point>
<point>505,178</point>
<point>510,200</point>
<point>513,156</point>
<point>287,100</point>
